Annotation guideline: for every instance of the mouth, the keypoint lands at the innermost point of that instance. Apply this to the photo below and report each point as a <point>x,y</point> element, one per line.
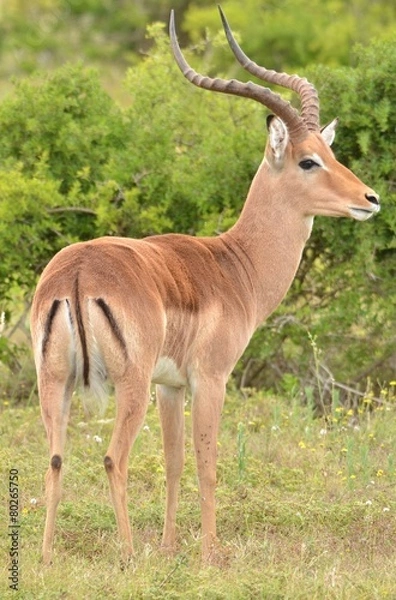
<point>363,214</point>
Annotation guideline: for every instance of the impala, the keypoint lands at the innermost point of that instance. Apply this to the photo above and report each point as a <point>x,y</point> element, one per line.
<point>179,310</point>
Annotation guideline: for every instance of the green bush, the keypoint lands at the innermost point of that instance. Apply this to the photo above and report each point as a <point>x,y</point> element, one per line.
<point>74,165</point>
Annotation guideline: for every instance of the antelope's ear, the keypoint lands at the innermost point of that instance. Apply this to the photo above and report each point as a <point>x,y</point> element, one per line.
<point>328,132</point>
<point>278,137</point>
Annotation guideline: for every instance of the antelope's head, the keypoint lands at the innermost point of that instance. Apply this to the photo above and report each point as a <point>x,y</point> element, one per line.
<point>298,152</point>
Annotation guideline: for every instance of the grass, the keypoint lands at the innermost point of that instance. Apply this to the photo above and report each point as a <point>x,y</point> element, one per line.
<point>306,509</point>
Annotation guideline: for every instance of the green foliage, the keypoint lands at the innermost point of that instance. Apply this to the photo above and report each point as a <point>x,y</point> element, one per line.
<point>62,127</point>
<point>291,33</point>
<point>74,165</point>
<point>26,229</point>
<point>48,33</point>
<point>181,154</point>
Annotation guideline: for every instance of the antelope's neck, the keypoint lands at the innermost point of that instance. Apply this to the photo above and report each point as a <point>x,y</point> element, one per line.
<point>270,234</point>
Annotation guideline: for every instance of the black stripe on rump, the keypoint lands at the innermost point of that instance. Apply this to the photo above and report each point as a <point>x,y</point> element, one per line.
<point>113,324</point>
<point>48,325</point>
<point>82,335</point>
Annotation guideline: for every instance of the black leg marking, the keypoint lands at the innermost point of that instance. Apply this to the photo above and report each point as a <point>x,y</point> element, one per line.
<point>56,462</point>
<point>69,311</point>
<point>48,324</point>
<point>113,324</point>
<point>108,463</point>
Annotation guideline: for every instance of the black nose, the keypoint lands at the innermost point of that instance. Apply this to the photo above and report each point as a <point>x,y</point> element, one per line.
<point>373,198</point>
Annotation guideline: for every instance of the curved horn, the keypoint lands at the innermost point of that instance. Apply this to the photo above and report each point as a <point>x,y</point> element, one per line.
<point>306,91</point>
<point>297,127</point>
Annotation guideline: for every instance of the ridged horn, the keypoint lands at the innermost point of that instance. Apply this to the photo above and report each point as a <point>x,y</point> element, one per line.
<point>297,127</point>
<point>300,85</point>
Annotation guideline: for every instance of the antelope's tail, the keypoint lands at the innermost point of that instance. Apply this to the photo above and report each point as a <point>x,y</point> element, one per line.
<point>70,350</point>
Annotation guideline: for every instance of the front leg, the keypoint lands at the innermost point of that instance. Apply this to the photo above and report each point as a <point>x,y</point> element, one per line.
<point>208,399</point>
<point>171,410</point>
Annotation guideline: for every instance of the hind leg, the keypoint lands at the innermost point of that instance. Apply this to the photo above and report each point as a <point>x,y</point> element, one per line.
<point>55,407</point>
<point>132,397</point>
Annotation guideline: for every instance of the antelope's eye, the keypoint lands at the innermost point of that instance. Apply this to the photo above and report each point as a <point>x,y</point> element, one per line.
<point>307,164</point>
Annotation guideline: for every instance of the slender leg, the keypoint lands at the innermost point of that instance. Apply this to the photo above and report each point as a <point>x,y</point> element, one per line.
<point>132,399</point>
<point>171,410</point>
<point>55,406</point>
<point>208,398</point>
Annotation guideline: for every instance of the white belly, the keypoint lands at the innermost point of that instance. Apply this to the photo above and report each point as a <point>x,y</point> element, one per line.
<point>167,373</point>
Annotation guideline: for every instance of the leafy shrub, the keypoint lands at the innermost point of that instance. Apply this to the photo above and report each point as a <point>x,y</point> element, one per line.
<point>75,165</point>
